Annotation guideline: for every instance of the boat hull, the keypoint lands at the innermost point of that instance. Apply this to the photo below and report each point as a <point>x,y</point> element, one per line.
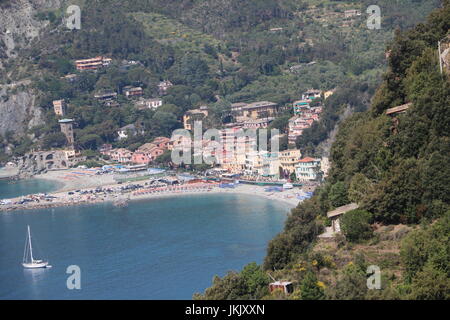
<point>35,265</point>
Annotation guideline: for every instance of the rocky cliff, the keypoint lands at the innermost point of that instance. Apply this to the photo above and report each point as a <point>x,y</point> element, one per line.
<point>18,109</point>
<point>19,26</point>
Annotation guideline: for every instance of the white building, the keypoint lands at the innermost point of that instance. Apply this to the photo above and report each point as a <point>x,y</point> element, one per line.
<point>125,131</point>
<point>308,169</point>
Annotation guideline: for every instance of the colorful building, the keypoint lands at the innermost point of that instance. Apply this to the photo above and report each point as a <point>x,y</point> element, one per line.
<point>300,106</point>
<point>59,106</point>
<point>130,91</point>
<point>260,110</point>
<point>311,94</point>
<point>288,161</point>
<point>92,63</point>
<point>308,169</point>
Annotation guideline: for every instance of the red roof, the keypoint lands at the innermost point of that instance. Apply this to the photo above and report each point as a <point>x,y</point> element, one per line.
<point>307,159</point>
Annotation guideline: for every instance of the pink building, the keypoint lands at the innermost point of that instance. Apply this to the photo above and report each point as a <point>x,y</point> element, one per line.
<point>161,142</point>
<point>147,153</point>
<point>141,157</point>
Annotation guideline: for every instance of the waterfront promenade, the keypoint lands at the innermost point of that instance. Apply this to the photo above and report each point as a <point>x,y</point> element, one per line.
<point>85,187</point>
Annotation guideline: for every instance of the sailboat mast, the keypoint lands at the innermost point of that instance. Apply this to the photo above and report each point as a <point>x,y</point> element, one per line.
<point>31,249</point>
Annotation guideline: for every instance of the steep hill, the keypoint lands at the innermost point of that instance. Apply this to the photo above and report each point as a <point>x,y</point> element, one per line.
<point>208,49</point>
<point>397,168</point>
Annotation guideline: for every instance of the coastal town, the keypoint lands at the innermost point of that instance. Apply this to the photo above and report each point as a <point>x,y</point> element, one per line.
<point>237,156</point>
<point>225,150</point>
<point>274,171</point>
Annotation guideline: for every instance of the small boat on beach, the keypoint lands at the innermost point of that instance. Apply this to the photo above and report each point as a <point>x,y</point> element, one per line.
<point>28,261</point>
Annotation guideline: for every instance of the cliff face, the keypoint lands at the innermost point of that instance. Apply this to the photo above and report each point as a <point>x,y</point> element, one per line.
<point>17,109</point>
<point>18,27</point>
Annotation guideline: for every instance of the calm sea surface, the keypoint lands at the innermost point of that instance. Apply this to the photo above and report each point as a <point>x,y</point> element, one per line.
<point>12,189</point>
<point>164,248</point>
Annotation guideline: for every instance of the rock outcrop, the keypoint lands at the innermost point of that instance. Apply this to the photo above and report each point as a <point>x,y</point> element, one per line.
<point>19,24</point>
<point>18,109</point>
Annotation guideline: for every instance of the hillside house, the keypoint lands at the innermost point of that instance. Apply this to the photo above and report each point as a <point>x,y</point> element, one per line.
<point>285,286</point>
<point>120,155</point>
<point>394,112</point>
<point>92,63</point>
<point>130,91</point>
<point>163,86</point>
<point>311,94</point>
<point>352,13</point>
<point>257,124</point>
<point>161,142</point>
<point>300,106</point>
<point>147,153</point>
<point>127,130</point>
<point>335,214</point>
<point>149,103</point>
<point>59,106</point>
<point>105,96</point>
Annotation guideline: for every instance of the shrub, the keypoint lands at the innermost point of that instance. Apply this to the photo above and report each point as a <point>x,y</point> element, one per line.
<point>355,225</point>
<point>310,288</point>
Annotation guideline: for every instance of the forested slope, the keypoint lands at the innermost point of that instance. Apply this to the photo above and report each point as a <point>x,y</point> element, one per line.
<point>240,51</point>
<point>398,171</point>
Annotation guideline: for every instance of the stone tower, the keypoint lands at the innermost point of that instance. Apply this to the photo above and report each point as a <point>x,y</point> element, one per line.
<point>67,129</point>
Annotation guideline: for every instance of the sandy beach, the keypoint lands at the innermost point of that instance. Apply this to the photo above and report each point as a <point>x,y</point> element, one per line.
<point>80,186</point>
<point>74,179</point>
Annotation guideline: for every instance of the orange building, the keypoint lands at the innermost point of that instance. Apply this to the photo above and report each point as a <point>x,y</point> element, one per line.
<point>59,106</point>
<point>93,63</point>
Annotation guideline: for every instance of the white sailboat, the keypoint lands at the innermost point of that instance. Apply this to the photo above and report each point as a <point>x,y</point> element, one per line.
<point>28,261</point>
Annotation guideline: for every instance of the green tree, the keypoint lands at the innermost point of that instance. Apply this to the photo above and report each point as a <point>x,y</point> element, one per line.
<point>427,246</point>
<point>310,288</point>
<point>430,284</point>
<point>231,287</point>
<point>255,279</point>
<point>54,140</point>
<point>356,226</point>
<point>163,123</point>
<point>338,194</point>
<point>89,141</point>
<point>350,285</point>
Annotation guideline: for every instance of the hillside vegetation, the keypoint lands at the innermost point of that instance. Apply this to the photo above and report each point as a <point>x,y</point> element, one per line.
<point>239,51</point>
<point>399,174</point>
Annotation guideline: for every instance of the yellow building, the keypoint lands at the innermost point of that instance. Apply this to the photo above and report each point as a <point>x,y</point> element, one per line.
<point>259,110</point>
<point>194,115</point>
<point>327,94</point>
<point>289,159</point>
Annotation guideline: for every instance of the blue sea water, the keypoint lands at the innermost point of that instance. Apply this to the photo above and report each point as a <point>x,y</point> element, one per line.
<point>166,248</point>
<point>12,189</point>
